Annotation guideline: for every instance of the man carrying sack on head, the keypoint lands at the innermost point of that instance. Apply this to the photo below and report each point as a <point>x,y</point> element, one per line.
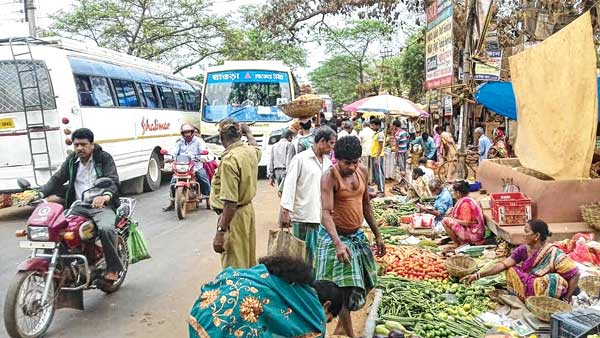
<point>234,187</point>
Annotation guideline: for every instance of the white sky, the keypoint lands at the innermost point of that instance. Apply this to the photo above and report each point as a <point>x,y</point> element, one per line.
<point>12,24</point>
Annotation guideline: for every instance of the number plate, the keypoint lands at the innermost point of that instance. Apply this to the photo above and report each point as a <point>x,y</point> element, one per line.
<point>37,245</point>
<point>7,124</point>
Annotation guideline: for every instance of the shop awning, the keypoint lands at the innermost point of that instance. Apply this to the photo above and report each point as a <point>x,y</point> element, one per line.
<point>500,98</point>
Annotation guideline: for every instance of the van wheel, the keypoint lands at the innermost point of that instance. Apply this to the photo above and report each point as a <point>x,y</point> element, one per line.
<point>153,175</point>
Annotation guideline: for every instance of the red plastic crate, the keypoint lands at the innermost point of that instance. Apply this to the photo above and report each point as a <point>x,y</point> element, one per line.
<point>511,208</point>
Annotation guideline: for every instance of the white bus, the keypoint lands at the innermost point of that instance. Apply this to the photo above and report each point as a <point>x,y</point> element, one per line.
<point>50,87</point>
<point>249,91</point>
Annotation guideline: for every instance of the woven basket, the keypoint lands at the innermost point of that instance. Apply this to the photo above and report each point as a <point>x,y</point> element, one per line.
<point>542,307</point>
<point>591,214</point>
<point>591,285</point>
<point>302,107</point>
<point>460,266</point>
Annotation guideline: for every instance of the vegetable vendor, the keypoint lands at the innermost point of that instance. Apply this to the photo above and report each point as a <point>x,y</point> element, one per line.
<point>466,224</point>
<point>276,298</point>
<point>443,201</point>
<point>536,268</point>
<point>343,254</point>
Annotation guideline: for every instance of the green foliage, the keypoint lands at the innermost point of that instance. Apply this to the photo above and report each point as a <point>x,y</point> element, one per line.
<point>412,66</point>
<point>177,32</point>
<point>338,76</point>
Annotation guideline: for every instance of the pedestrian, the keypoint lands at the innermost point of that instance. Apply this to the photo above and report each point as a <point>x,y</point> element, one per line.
<point>484,144</point>
<point>449,154</point>
<point>437,140</point>
<point>429,174</point>
<point>343,253</point>
<point>347,129</point>
<point>427,144</point>
<point>401,138</point>
<point>301,197</point>
<point>281,156</point>
<point>305,138</point>
<point>234,187</point>
<point>276,298</point>
<point>377,156</point>
<point>366,141</point>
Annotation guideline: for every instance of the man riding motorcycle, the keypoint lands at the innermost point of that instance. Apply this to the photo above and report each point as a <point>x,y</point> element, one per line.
<point>192,145</point>
<point>81,169</point>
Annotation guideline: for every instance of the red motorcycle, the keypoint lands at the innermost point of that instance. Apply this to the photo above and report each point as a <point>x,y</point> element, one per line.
<point>67,258</point>
<point>187,188</point>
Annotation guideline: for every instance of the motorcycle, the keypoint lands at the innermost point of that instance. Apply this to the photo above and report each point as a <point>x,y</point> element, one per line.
<point>187,188</point>
<point>67,258</point>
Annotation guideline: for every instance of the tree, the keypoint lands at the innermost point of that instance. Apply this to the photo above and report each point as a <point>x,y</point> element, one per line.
<point>177,32</point>
<point>412,66</point>
<point>338,77</point>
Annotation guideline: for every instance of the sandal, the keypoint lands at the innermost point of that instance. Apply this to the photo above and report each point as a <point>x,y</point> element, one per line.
<point>168,208</point>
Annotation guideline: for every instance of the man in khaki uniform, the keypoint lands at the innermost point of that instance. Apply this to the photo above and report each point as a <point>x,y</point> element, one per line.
<point>233,188</point>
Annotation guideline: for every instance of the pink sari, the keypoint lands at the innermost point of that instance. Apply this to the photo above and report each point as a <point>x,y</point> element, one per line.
<point>467,209</point>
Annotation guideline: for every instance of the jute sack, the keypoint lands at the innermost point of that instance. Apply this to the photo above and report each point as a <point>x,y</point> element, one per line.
<point>283,243</point>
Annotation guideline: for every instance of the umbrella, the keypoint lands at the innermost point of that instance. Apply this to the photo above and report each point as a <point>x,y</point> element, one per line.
<point>389,104</point>
<point>351,108</point>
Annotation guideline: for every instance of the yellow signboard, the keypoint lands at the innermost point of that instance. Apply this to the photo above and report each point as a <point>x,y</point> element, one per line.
<point>7,124</point>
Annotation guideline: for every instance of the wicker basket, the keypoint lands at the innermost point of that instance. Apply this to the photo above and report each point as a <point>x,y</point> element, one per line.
<point>591,214</point>
<point>542,307</point>
<point>460,266</point>
<point>591,285</point>
<point>302,107</point>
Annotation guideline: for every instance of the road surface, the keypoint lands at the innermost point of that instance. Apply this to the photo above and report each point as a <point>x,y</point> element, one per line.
<point>156,297</point>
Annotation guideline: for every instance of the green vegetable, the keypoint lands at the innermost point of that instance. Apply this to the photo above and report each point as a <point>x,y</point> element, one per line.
<point>382,330</point>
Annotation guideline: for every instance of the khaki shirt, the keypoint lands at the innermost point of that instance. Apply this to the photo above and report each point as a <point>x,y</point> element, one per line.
<point>236,177</point>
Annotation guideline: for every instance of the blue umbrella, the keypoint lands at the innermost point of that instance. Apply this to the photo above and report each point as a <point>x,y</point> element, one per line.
<point>500,98</point>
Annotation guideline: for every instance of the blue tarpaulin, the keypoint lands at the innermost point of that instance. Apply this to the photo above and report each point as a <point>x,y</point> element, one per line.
<point>500,98</point>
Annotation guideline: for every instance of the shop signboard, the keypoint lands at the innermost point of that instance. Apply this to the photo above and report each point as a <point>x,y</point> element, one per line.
<point>447,103</point>
<point>439,63</point>
<point>490,71</point>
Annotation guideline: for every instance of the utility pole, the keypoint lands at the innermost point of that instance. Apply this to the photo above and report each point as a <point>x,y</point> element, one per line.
<point>468,70</point>
<point>30,17</point>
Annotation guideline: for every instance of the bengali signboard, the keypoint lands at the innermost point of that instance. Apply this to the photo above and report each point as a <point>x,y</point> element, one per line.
<point>490,70</point>
<point>439,68</point>
<point>447,103</point>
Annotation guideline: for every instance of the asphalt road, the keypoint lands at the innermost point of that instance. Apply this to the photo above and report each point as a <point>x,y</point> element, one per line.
<point>157,294</point>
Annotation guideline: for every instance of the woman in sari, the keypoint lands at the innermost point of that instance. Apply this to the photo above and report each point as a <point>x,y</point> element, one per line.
<point>466,225</point>
<point>449,154</point>
<point>499,148</point>
<point>536,268</point>
<point>274,299</point>
<point>420,185</point>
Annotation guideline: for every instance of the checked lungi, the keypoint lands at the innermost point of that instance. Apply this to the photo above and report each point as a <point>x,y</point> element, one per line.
<point>360,274</point>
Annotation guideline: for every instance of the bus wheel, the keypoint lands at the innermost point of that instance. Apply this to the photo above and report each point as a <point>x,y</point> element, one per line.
<point>153,176</point>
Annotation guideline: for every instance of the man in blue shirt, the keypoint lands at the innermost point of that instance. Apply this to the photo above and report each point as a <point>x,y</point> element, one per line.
<point>484,144</point>
<point>443,201</point>
<point>427,144</point>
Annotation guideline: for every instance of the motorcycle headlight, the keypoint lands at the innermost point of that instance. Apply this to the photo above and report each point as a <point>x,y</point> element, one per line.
<point>38,233</point>
<point>181,167</point>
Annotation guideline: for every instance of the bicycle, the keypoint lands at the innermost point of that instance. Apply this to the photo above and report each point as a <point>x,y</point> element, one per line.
<point>470,166</point>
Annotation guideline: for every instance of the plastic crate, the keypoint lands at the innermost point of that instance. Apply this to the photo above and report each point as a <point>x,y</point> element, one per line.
<point>576,324</point>
<point>510,208</point>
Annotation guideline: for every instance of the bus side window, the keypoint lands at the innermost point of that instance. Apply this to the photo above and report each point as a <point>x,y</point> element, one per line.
<point>101,92</point>
<point>179,99</point>
<point>125,93</point>
<point>84,90</point>
<point>149,95</point>
<point>167,97</point>
<point>140,92</point>
<point>190,99</point>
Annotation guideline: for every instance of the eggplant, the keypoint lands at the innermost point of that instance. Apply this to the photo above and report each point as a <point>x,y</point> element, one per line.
<point>396,334</point>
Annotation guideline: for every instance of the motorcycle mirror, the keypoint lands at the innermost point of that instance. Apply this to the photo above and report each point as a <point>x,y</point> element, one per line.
<point>23,183</point>
<point>164,152</point>
<point>103,183</point>
<point>204,152</point>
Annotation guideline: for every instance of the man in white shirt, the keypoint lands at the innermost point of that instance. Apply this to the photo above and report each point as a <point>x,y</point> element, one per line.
<point>429,174</point>
<point>366,141</point>
<point>281,156</point>
<point>347,130</point>
<point>301,198</point>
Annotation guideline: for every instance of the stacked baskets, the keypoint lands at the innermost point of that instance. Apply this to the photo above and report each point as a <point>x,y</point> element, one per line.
<point>591,214</point>
<point>461,266</point>
<point>303,107</point>
<point>542,307</point>
<point>591,285</point>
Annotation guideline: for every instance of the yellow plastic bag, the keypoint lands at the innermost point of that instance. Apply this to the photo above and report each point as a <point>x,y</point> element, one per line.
<point>283,243</point>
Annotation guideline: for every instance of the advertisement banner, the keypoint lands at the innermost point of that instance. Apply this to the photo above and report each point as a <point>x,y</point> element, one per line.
<point>439,68</point>
<point>490,71</point>
<point>447,103</point>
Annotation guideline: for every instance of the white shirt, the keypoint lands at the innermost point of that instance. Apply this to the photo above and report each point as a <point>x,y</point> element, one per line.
<point>345,133</point>
<point>429,174</point>
<point>86,176</point>
<point>366,140</point>
<point>302,187</point>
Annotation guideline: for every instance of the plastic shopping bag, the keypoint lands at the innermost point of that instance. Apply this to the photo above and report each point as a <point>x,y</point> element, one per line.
<point>138,249</point>
<point>283,243</point>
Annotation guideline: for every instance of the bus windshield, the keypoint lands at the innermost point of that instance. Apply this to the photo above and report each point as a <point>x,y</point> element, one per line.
<point>246,95</point>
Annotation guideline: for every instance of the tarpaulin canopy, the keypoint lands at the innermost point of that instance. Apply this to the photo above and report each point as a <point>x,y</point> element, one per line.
<point>500,98</point>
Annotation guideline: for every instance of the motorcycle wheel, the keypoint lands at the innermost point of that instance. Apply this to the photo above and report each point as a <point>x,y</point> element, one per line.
<point>181,202</point>
<point>24,295</point>
<point>123,252</point>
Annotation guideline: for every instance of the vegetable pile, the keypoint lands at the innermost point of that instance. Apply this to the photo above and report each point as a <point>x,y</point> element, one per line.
<point>392,235</point>
<point>431,309</point>
<point>414,263</point>
<point>390,212</point>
